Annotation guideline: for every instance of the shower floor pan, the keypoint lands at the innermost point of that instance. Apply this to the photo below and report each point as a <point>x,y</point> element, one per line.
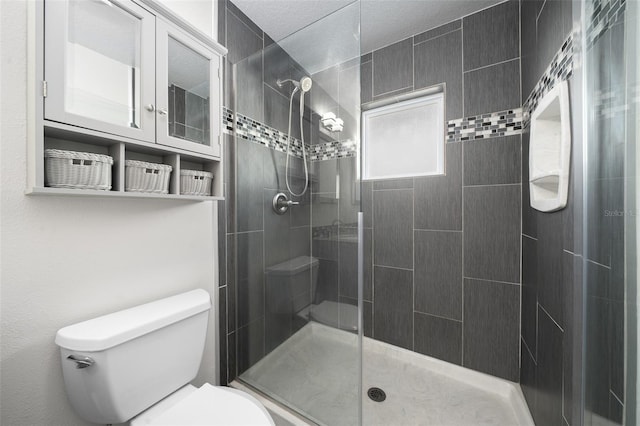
<point>316,371</point>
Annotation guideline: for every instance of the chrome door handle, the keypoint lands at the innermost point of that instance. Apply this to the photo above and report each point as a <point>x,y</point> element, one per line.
<point>81,361</point>
<point>150,107</point>
<point>162,111</point>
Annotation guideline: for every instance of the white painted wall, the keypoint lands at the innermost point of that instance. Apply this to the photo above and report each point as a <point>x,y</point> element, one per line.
<point>64,260</point>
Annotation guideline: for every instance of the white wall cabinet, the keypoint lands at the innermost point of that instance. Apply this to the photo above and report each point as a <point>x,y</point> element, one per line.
<point>129,79</point>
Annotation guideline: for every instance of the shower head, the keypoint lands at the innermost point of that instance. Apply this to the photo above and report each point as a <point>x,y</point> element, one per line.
<point>304,84</point>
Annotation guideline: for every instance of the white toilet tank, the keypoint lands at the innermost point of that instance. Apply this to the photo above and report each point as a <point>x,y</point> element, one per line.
<point>136,357</point>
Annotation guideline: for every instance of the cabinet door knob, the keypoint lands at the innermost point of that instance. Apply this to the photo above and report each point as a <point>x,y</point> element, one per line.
<point>162,111</point>
<point>150,108</point>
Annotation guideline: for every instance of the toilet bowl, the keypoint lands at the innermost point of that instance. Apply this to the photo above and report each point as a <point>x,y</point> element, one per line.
<point>136,366</point>
<point>205,406</point>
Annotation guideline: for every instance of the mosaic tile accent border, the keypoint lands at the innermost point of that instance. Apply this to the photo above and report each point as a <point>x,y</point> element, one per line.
<point>254,131</point>
<point>603,14</point>
<point>257,132</point>
<point>333,149</point>
<point>560,69</point>
<point>485,126</point>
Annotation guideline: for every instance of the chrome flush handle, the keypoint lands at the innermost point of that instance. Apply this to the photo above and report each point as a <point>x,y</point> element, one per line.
<point>81,361</point>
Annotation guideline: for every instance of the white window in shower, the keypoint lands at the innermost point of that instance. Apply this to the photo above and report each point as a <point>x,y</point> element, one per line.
<point>404,139</point>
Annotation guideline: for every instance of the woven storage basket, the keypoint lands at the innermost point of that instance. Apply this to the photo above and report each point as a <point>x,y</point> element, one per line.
<point>195,182</point>
<point>77,170</point>
<point>141,176</point>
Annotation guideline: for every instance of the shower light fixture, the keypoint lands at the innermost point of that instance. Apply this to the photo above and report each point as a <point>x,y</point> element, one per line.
<point>331,122</point>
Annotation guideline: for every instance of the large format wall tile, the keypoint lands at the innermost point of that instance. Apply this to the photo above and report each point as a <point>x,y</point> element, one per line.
<point>550,265</point>
<point>250,345</point>
<point>492,328</point>
<point>438,273</point>
<point>553,26</point>
<point>277,233</point>
<point>528,19</point>
<point>549,371</point>
<point>249,93</point>
<point>276,110</point>
<point>438,31</point>
<point>528,380</point>
<point>438,199</point>
<point>402,183</point>
<point>250,298</point>
<point>232,8</point>
<point>242,41</point>
<point>438,337</point>
<point>529,293</point>
<point>393,67</point>
<point>492,232</point>
<point>366,82</point>
<point>492,35</point>
<point>231,282</point>
<point>439,60</point>
<point>349,267</point>
<point>222,332</point>
<point>393,310</point>
<point>249,186</point>
<point>276,67</point>
<point>494,88</point>
<point>529,214</point>
<point>232,357</point>
<point>478,154</point>
<point>393,230</point>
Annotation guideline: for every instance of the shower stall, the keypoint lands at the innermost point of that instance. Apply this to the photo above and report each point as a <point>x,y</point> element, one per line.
<point>441,299</point>
<point>296,199</point>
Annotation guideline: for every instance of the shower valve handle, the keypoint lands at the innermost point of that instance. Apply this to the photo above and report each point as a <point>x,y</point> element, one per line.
<point>281,203</point>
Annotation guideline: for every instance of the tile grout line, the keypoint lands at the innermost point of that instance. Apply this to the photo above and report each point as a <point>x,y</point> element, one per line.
<point>434,37</point>
<point>436,316</point>
<point>491,65</point>
<point>490,281</point>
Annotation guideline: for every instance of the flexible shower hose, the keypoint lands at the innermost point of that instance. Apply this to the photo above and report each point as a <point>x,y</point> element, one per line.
<point>289,137</point>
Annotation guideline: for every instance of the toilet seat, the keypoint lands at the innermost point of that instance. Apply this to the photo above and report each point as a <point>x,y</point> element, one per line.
<point>211,406</point>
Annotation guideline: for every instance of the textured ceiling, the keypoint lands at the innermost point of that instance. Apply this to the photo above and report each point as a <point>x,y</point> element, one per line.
<point>382,22</point>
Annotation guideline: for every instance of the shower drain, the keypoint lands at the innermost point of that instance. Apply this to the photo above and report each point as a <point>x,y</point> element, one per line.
<point>376,394</point>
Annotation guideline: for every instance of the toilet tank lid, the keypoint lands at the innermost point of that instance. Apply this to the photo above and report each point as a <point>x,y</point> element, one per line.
<point>293,266</point>
<point>110,330</point>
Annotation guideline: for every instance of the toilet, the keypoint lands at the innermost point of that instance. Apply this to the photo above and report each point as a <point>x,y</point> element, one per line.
<point>135,366</point>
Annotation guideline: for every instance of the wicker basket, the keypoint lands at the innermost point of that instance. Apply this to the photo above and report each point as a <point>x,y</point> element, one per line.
<point>77,170</point>
<point>141,176</point>
<point>195,182</point>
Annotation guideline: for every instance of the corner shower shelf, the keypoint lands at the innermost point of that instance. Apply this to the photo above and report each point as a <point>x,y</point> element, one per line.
<point>550,151</point>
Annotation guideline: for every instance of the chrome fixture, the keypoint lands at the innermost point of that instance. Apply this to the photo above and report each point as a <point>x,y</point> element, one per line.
<point>81,361</point>
<point>304,85</point>
<point>331,122</point>
<point>281,203</point>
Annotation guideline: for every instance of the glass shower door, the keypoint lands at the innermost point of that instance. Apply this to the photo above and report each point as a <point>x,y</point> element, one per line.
<point>612,73</point>
<point>297,101</point>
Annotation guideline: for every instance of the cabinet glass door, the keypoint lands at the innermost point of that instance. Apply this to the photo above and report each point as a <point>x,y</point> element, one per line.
<point>99,66</point>
<point>188,93</point>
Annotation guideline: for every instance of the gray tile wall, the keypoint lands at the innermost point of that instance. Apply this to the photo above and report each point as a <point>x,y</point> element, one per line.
<point>550,257</point>
<point>252,321</point>
<point>452,240</point>
<point>606,303</point>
